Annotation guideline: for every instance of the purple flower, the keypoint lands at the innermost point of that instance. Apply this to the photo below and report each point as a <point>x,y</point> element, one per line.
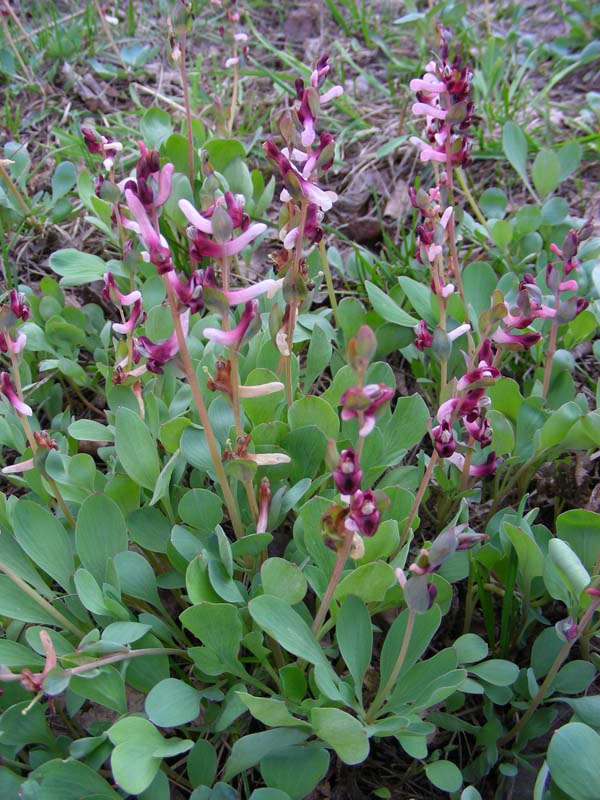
<point>348,474</point>
<point>363,402</point>
<point>205,246</point>
<point>111,292</point>
<point>158,250</point>
<point>485,470</point>
<point>160,352</point>
<point>516,341</point>
<point>18,304</point>
<point>127,327</point>
<point>443,439</point>
<point>364,514</point>
<point>234,337</point>
<point>424,337</point>
<point>9,345</point>
<point>8,390</point>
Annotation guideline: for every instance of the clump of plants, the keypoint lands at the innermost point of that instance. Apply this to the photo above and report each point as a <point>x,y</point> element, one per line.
<point>232,555</point>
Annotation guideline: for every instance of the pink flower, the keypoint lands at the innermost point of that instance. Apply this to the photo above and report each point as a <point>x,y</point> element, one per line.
<point>443,439</point>
<point>18,304</point>
<point>364,514</point>
<point>234,337</point>
<point>8,390</point>
<point>127,327</point>
<point>111,292</point>
<point>363,402</point>
<point>203,246</point>
<point>160,352</point>
<point>159,253</point>
<point>348,474</point>
<point>424,337</point>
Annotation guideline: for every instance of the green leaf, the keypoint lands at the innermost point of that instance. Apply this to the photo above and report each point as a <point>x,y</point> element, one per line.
<point>222,151</point>
<point>76,267</point>
<point>493,203</point>
<point>269,794</point>
<point>172,702</point>
<point>139,748</point>
<point>201,509</point>
<point>202,763</point>
<point>342,732</point>
<point>155,126</point>
<point>88,430</point>
<point>470,648</point>
<point>295,770</point>
<point>496,671</point>
<point>13,654</point>
<point>444,775</point>
<point>580,529</point>
<point>218,626</point>
<point>314,411</point>
<point>425,626</point>
<point>318,357</point>
<point>355,639</point>
<point>100,534</point>
<point>369,582</point>
<point>573,757</point>
<point>569,158</point>
<point>569,565</point>
<point>249,750</point>
<point>530,557</point>
<point>556,428</point>
<point>515,148</point>
<point>406,427</point>
<point>106,688</point>
<point>387,308</point>
<point>546,172</point>
<point>284,580</point>
<point>60,779</point>
<point>272,713</point>
<point>574,678</point>
<point>419,296</point>
<point>287,627</point>
<point>63,180</point>
<point>137,577</point>
<point>136,448</point>
<point>502,233</point>
<point>44,540</point>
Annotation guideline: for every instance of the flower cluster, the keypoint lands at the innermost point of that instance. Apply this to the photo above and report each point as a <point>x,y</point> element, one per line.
<point>444,99</point>
<point>420,592</point>
<point>468,405</point>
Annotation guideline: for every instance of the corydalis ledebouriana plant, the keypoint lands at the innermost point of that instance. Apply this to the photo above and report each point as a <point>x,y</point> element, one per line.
<point>444,99</point>
<point>468,406</point>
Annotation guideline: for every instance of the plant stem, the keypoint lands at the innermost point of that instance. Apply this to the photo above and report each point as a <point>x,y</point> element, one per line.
<point>556,665</point>
<point>27,212</point>
<point>340,562</point>
<point>471,200</point>
<point>329,283</point>
<point>188,110</point>
<point>211,441</point>
<point>551,350</point>
<point>382,693</point>
<point>417,501</point>
<point>234,95</point>
<point>48,607</point>
<point>114,658</point>
<point>109,36</point>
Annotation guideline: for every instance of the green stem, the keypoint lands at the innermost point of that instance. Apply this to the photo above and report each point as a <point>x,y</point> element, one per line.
<point>188,109</point>
<point>329,283</point>
<point>556,665</point>
<point>472,202</point>
<point>211,441</point>
<point>11,186</point>
<point>340,562</point>
<point>48,607</point>
<point>417,501</point>
<point>383,693</point>
<point>114,658</point>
